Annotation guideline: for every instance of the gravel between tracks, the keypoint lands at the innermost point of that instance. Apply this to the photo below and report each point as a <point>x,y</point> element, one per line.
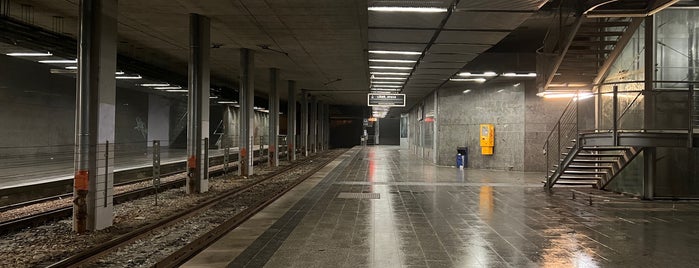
<point>46,244</point>
<point>59,203</point>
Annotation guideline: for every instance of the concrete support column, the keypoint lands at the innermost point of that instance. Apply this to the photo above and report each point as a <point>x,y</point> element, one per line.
<point>247,103</point>
<point>313,126</point>
<point>273,118</point>
<point>649,154</point>
<point>291,122</point>
<point>198,104</point>
<point>319,136</point>
<point>327,126</point>
<point>95,116</point>
<point>326,141</point>
<point>304,123</point>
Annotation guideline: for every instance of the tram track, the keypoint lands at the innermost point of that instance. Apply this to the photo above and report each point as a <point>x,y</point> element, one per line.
<point>48,215</point>
<point>94,253</point>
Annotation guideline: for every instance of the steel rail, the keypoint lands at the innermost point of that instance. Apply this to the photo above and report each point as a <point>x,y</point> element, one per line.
<point>65,212</point>
<point>100,250</point>
<point>190,250</point>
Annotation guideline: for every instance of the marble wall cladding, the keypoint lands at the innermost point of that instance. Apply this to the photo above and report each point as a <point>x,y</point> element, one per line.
<point>540,116</point>
<point>460,115</point>
<point>522,122</point>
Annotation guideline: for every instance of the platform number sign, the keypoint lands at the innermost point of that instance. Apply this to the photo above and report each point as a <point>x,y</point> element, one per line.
<point>393,100</point>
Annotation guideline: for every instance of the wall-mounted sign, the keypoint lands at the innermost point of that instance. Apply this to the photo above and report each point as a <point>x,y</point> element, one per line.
<point>394,100</point>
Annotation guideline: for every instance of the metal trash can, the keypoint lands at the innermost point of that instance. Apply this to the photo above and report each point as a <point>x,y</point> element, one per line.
<point>463,151</point>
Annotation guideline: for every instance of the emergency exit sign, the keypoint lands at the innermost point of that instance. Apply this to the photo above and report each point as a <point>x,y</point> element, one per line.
<point>394,100</point>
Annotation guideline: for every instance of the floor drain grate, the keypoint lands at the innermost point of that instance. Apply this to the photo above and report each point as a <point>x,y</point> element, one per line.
<point>359,195</point>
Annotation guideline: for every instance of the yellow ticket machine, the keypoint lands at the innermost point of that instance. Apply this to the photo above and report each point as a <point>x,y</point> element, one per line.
<point>487,139</point>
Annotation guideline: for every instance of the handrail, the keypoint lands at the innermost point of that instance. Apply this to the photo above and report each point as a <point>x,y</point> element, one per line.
<point>566,130</point>
<point>561,117</point>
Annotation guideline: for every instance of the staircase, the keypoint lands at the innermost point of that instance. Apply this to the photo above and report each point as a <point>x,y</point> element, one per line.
<point>592,166</point>
<point>592,45</point>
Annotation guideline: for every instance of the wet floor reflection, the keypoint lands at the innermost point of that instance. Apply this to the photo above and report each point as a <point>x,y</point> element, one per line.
<point>431,216</point>
<point>486,203</point>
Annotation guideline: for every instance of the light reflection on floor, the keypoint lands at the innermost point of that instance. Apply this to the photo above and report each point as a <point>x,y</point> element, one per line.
<point>430,216</point>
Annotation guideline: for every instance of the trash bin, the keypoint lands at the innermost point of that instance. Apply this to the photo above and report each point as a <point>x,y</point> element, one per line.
<point>463,151</point>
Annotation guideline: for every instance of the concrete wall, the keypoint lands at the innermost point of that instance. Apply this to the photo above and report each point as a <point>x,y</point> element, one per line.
<point>522,122</point>
<point>540,118</point>
<point>38,108</point>
<point>460,115</point>
<point>38,112</point>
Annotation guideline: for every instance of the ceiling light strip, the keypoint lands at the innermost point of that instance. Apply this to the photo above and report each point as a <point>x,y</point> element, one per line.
<point>409,9</point>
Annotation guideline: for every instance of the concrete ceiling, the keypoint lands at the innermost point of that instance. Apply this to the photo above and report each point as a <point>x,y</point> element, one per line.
<point>447,41</point>
<point>326,40</point>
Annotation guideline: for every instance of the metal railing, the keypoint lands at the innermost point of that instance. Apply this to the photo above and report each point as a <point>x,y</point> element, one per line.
<point>674,109</point>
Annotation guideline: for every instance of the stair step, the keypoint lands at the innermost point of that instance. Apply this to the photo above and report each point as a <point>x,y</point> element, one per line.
<point>593,161</point>
<point>592,43</point>
<point>603,24</point>
<point>589,167</point>
<point>597,155</point>
<point>589,51</point>
<point>602,33</point>
<point>605,148</point>
<point>581,172</point>
<point>576,182</point>
<point>601,148</point>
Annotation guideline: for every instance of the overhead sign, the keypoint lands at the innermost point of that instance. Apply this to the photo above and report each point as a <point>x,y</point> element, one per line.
<point>395,100</point>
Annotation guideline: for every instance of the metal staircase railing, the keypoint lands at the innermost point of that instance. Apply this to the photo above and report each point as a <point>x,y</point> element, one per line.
<point>570,154</point>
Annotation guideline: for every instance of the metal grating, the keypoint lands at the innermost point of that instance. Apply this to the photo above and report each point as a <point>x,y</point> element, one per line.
<point>346,195</point>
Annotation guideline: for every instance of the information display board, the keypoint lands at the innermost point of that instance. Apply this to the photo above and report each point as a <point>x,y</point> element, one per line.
<point>392,100</point>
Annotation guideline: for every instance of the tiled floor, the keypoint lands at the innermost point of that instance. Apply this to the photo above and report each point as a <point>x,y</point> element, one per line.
<point>428,216</point>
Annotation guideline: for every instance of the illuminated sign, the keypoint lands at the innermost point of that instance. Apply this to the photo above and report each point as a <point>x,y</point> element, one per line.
<point>394,100</point>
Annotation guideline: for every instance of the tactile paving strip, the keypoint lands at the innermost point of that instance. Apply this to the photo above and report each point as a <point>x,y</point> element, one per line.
<point>359,195</point>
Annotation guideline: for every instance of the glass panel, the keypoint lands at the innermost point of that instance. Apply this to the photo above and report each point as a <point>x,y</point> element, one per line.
<point>676,47</point>
<point>630,179</point>
<point>676,176</point>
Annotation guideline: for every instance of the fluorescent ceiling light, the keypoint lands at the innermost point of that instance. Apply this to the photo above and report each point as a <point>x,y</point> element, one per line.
<point>166,87</point>
<point>479,80</point>
<point>177,90</point>
<point>466,91</point>
<point>519,75</point>
<point>385,73</point>
<point>486,74</point>
<point>227,102</point>
<point>129,77</point>
<point>395,52</point>
<point>389,86</point>
<point>389,78</point>
<point>409,9</point>
<point>71,67</point>
<point>385,89</point>
<point>390,67</point>
<point>393,61</point>
<point>155,85</point>
<point>59,61</point>
<point>213,97</point>
<point>29,54</point>
<point>563,94</point>
<point>119,73</point>
<point>569,85</point>
<point>387,82</point>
